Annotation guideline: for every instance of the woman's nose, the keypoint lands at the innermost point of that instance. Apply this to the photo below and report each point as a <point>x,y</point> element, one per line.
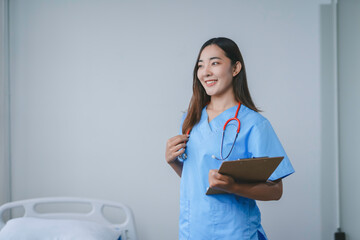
<point>207,71</point>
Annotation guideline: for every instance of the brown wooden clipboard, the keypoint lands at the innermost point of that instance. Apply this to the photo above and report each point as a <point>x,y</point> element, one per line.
<point>249,170</point>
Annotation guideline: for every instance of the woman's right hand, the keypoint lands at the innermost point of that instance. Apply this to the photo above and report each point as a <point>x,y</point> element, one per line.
<point>175,146</point>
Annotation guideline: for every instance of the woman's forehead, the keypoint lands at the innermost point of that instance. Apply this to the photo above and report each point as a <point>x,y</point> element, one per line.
<point>212,52</point>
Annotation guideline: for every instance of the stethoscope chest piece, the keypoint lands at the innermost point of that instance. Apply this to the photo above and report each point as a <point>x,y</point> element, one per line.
<point>182,157</point>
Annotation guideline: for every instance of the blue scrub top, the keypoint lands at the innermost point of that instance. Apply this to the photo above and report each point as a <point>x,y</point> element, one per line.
<point>225,216</point>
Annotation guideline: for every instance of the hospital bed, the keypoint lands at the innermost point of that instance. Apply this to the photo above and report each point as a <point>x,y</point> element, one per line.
<point>43,219</point>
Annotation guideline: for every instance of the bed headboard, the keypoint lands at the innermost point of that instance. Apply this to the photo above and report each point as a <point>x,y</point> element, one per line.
<point>96,214</point>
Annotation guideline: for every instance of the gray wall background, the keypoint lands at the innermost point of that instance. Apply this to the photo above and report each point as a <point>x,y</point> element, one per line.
<point>98,87</point>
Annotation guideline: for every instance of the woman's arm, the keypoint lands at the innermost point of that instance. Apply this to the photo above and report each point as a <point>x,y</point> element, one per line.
<point>177,166</point>
<point>175,146</point>
<point>257,191</point>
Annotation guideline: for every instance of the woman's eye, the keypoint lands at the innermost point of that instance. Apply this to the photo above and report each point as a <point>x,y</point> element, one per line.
<point>215,63</point>
<point>199,66</point>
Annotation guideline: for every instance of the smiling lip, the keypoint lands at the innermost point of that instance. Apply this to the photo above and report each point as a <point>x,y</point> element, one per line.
<point>210,83</point>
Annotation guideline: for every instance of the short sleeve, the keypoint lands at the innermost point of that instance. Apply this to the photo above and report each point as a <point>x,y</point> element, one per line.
<point>263,142</point>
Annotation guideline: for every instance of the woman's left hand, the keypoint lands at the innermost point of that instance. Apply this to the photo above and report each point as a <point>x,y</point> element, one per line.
<point>217,180</point>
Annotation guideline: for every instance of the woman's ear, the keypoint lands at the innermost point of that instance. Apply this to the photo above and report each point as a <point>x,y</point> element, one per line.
<point>237,68</point>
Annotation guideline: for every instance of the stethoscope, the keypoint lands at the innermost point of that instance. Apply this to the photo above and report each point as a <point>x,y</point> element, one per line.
<point>235,118</point>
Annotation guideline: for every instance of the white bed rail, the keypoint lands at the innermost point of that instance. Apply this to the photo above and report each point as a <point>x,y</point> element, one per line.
<point>96,214</point>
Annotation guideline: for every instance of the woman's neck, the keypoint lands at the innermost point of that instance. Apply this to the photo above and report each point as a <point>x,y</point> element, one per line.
<point>221,104</point>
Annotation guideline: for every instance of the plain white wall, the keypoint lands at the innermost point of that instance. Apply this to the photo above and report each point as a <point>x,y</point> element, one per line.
<point>98,87</point>
<point>349,87</point>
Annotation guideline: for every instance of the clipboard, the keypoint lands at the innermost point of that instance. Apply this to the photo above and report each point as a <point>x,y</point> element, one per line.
<point>249,170</point>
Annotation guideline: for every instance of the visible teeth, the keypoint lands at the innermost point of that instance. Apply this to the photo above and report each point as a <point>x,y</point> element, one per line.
<point>211,81</point>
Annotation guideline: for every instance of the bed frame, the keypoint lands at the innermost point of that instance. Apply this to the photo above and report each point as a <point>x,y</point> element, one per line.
<point>96,214</point>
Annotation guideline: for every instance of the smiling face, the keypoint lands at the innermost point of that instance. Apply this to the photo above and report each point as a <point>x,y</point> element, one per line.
<point>216,72</point>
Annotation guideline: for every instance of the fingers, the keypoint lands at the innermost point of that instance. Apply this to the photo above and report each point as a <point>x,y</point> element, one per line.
<point>177,139</point>
<point>175,146</point>
<point>217,180</point>
<point>216,175</point>
<point>213,173</point>
<point>173,155</point>
<point>176,143</point>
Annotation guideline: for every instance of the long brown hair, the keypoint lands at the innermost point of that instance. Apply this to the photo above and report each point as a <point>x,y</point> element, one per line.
<point>200,99</point>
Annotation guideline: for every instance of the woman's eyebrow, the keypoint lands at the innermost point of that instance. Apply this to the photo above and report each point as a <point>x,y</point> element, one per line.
<point>212,58</point>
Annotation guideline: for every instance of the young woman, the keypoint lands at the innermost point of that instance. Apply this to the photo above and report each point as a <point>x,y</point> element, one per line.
<point>220,92</point>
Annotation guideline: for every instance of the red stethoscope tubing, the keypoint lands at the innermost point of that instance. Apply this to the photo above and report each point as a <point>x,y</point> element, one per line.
<point>235,118</point>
